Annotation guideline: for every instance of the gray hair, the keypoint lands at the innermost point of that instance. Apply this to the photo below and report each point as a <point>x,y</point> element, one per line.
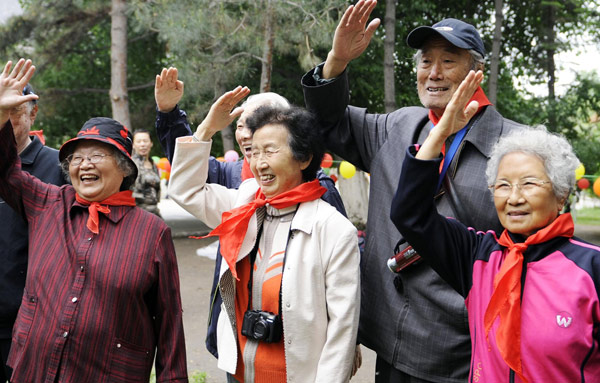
<point>267,98</point>
<point>553,150</point>
<point>123,163</point>
<point>477,60</point>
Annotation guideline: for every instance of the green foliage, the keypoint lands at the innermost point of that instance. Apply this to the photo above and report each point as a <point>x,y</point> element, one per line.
<point>69,42</point>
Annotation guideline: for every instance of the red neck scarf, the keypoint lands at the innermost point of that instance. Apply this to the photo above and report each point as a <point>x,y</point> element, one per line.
<point>123,198</point>
<point>246,172</point>
<point>506,298</point>
<point>478,96</point>
<point>234,223</point>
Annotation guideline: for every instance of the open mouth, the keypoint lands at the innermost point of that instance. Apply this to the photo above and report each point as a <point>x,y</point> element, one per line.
<point>267,177</point>
<point>86,178</point>
<point>438,89</point>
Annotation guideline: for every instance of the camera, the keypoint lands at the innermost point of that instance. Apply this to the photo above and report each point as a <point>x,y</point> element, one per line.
<point>262,326</point>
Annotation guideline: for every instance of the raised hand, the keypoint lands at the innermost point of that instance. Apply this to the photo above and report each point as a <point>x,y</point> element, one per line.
<point>457,114</point>
<point>168,90</point>
<point>222,113</point>
<point>351,38</point>
<point>11,87</point>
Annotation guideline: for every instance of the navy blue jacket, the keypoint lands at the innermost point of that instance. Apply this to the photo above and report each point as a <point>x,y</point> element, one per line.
<point>174,124</point>
<point>41,162</point>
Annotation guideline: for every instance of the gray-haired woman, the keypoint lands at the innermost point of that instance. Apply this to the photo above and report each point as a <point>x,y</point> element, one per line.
<point>532,293</point>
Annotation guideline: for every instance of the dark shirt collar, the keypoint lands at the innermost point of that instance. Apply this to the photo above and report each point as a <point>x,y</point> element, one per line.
<point>31,151</point>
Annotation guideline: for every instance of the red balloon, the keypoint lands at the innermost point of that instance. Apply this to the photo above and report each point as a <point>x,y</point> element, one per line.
<point>583,183</point>
<point>327,161</point>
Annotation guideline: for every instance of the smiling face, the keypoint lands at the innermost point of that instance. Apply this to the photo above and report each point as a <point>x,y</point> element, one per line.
<point>440,70</point>
<point>95,182</point>
<point>274,167</point>
<point>523,213</point>
<point>142,144</point>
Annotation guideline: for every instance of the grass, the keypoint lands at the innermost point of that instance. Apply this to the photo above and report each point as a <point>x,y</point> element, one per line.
<point>588,216</point>
<point>194,377</point>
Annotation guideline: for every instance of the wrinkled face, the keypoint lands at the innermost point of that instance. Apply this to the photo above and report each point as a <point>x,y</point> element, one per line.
<point>525,212</point>
<point>22,119</point>
<point>95,182</point>
<point>440,71</point>
<point>243,134</point>
<point>274,167</point>
<point>142,144</point>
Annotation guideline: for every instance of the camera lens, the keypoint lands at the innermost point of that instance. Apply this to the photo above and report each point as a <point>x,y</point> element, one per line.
<point>260,329</point>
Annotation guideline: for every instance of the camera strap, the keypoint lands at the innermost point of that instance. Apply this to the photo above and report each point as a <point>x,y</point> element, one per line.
<point>252,256</point>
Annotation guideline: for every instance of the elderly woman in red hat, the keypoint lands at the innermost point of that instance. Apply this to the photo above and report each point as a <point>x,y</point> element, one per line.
<point>102,295</point>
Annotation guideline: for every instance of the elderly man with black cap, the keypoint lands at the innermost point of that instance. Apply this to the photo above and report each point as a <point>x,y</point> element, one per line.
<point>411,318</point>
<point>102,294</point>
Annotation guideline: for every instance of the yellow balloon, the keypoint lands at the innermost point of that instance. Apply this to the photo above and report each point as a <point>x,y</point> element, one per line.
<point>579,171</point>
<point>347,170</point>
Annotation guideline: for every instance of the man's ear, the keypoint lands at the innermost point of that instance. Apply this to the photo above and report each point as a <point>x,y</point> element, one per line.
<point>33,113</point>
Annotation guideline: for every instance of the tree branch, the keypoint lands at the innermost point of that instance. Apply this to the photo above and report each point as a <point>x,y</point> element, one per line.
<point>92,90</point>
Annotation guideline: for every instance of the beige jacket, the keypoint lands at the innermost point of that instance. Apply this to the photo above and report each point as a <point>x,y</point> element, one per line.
<point>321,282</point>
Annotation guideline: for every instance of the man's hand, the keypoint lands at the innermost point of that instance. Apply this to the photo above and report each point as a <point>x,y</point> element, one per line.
<point>351,37</point>
<point>457,114</point>
<point>11,87</point>
<point>167,90</point>
<point>221,114</point>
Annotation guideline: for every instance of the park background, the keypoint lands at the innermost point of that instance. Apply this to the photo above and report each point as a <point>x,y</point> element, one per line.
<point>100,57</point>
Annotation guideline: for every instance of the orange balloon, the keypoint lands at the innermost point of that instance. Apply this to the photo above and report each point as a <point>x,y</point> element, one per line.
<point>162,163</point>
<point>597,187</point>
<point>327,161</point>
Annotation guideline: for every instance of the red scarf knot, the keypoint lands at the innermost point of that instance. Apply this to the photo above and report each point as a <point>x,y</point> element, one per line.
<point>234,223</point>
<point>123,198</point>
<point>506,298</point>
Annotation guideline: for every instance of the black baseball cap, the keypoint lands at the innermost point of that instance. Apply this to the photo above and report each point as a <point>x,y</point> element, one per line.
<point>458,33</point>
<point>29,90</point>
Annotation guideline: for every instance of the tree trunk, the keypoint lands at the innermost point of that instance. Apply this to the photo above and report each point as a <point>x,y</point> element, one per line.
<point>388,56</point>
<point>267,56</point>
<point>549,17</point>
<point>355,194</point>
<point>118,63</point>
<point>495,60</point>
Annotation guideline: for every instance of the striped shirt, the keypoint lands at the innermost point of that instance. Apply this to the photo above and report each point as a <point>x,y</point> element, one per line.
<point>96,307</point>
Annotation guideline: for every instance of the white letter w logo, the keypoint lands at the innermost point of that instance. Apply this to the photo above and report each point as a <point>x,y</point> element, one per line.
<point>562,321</point>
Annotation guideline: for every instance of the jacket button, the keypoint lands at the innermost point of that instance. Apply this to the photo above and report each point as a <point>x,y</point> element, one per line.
<point>65,334</point>
<point>74,299</point>
<point>118,345</point>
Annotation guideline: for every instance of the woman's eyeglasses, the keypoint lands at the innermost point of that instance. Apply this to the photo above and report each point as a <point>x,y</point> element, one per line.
<point>76,159</point>
<point>527,186</point>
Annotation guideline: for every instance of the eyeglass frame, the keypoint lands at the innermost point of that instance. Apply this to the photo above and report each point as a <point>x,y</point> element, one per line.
<point>90,159</point>
<point>537,183</point>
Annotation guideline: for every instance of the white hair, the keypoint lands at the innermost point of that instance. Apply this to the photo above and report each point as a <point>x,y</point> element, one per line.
<point>553,150</point>
<point>267,98</point>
